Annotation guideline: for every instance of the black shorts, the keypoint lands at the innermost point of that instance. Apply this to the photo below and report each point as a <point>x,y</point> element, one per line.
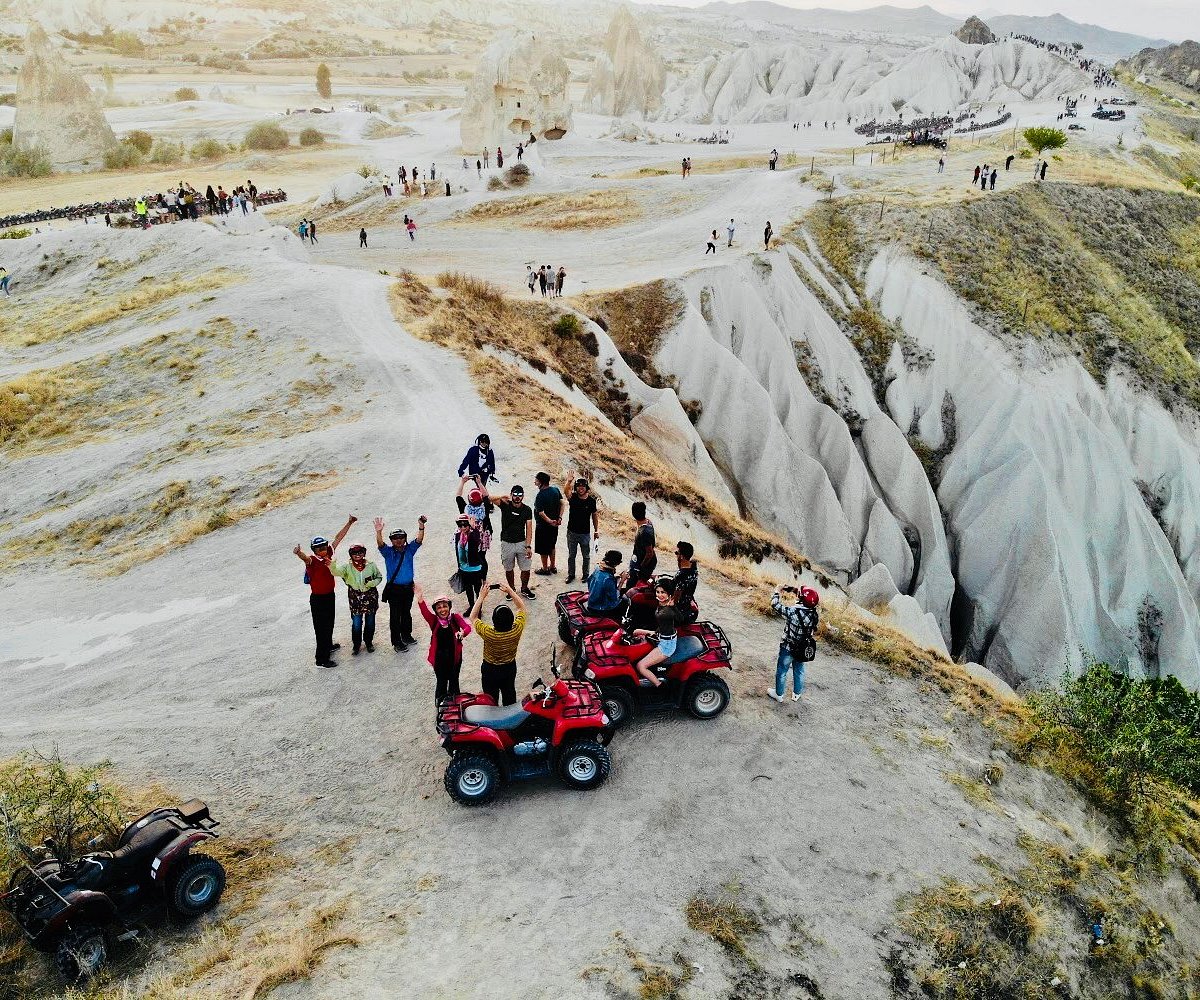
<point>545,537</point>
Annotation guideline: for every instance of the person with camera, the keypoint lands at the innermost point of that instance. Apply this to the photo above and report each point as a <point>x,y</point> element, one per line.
<point>398,558</point>
<point>799,643</point>
<point>501,636</point>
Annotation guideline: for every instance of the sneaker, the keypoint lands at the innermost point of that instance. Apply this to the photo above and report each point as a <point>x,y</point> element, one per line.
<point>795,697</point>
<point>370,647</point>
<point>544,571</point>
<point>571,578</point>
<point>773,696</point>
<point>354,652</point>
<point>327,664</point>
<point>336,645</point>
<point>399,646</point>
<point>408,640</point>
<point>554,571</point>
<point>528,594</point>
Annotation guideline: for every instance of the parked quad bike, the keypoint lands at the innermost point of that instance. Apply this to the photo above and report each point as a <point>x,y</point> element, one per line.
<point>560,729</point>
<point>609,658</point>
<point>74,908</point>
<point>574,622</point>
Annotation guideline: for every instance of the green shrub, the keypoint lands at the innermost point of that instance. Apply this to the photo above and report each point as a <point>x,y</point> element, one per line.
<point>121,156</point>
<point>366,170</point>
<point>186,94</point>
<point>15,234</point>
<point>6,137</point>
<point>567,325</point>
<point>311,137</point>
<point>208,149</point>
<point>33,162</point>
<point>266,135</point>
<point>165,152</point>
<point>141,141</point>
<point>126,43</point>
<point>1190,182</point>
<point>1041,138</point>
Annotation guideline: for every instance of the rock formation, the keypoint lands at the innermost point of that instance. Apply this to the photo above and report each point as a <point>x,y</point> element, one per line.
<point>1178,63</point>
<point>628,76</point>
<point>975,32</point>
<point>56,109</point>
<point>520,87</point>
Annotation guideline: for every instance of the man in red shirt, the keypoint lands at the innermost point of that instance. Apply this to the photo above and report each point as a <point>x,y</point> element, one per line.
<point>319,577</point>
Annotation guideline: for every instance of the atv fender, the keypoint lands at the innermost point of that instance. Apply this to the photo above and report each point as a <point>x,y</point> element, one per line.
<point>166,859</point>
<point>83,906</point>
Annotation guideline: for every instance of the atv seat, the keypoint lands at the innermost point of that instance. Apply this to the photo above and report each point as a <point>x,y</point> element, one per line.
<point>686,647</point>
<point>496,716</point>
<point>139,850</point>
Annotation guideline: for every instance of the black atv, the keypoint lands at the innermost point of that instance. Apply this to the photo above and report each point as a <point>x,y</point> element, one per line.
<point>74,908</point>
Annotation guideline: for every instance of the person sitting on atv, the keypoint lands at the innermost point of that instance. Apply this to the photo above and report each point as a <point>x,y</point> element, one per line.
<point>604,596</point>
<point>644,560</point>
<point>685,584</point>
<point>665,631</point>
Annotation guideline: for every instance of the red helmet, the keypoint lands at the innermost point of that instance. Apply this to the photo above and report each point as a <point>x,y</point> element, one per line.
<point>810,596</point>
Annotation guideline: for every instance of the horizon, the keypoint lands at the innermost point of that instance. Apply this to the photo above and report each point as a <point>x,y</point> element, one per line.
<point>1172,21</point>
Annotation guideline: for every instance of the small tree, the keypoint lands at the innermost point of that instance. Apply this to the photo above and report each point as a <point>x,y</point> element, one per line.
<point>324,82</point>
<point>1042,138</point>
<point>141,140</point>
<point>266,135</point>
<point>186,94</point>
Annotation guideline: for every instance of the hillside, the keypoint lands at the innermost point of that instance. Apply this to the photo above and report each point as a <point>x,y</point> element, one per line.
<point>1178,63</point>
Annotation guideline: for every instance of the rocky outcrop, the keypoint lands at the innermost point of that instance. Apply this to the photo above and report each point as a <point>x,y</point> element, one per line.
<point>519,88</point>
<point>628,76</point>
<point>1178,63</point>
<point>975,32</point>
<point>56,110</point>
<point>765,83</point>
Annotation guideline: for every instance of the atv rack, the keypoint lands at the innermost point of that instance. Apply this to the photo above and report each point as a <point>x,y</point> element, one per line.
<point>588,702</point>
<point>452,717</point>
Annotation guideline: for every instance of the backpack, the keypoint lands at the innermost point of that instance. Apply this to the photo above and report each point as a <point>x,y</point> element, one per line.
<point>804,649</point>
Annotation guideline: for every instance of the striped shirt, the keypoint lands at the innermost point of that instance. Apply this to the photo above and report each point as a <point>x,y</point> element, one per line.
<point>500,647</point>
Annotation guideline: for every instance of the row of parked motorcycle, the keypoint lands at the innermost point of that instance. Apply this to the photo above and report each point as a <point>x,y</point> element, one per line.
<point>564,728</point>
<point>76,908</point>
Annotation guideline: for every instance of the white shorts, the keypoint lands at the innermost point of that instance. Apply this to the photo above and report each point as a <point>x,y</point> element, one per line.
<point>514,554</point>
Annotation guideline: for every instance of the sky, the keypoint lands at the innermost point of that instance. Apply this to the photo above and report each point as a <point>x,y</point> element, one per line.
<point>1155,18</point>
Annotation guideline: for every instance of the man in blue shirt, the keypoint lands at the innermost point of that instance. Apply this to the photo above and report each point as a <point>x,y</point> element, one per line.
<point>604,596</point>
<point>398,557</point>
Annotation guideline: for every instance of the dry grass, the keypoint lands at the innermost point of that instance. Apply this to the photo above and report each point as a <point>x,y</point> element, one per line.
<point>637,318</point>
<point>586,210</point>
<point>40,321</point>
<point>725,921</point>
<point>293,958</point>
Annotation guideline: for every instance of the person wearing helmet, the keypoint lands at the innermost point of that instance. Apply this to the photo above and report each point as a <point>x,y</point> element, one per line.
<point>398,558</point>
<point>685,584</point>
<point>448,629</point>
<point>318,574</point>
<point>798,645</point>
<point>665,632</point>
<point>604,595</point>
<point>362,580</point>
<point>480,461</point>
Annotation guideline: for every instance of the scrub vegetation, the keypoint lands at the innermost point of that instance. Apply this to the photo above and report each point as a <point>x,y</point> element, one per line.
<point>583,210</point>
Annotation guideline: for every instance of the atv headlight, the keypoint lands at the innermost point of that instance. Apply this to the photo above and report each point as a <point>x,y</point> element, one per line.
<point>590,674</point>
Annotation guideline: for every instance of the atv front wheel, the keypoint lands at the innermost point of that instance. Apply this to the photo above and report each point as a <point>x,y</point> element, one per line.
<point>81,953</point>
<point>706,696</point>
<point>564,630</point>
<point>197,888</point>
<point>472,779</point>
<point>584,766</point>
<point>618,706</point>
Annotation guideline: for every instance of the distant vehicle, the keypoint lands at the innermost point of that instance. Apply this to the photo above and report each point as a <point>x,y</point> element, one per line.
<point>1073,127</point>
<point>353,106</point>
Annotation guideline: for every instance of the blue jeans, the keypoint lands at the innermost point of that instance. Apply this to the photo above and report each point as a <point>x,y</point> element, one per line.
<point>357,634</point>
<point>785,663</point>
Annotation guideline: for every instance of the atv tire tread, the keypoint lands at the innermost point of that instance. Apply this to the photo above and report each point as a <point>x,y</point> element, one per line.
<point>594,750</point>
<point>705,682</point>
<point>466,762</point>
<point>73,943</point>
<point>615,692</point>
<point>196,864</point>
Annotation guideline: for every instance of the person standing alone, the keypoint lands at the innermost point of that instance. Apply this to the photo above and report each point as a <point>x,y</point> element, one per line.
<point>767,233</point>
<point>729,230</point>
<point>398,558</point>
<point>547,512</point>
<point>583,526</point>
<point>798,645</point>
<point>362,239</point>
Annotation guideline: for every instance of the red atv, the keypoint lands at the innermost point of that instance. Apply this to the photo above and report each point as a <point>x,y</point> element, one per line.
<point>608,659</point>
<point>575,622</point>
<point>560,729</point>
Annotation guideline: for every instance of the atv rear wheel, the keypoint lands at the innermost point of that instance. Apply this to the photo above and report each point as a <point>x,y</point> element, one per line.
<point>706,696</point>
<point>197,887</point>
<point>564,630</point>
<point>619,706</point>
<point>472,779</point>
<point>81,953</point>
<point>584,765</point>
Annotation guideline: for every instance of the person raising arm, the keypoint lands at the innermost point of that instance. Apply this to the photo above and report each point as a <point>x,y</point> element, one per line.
<point>498,671</point>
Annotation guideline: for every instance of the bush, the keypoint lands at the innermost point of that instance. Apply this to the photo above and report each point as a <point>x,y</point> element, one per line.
<point>141,141</point>
<point>495,184</point>
<point>122,156</point>
<point>311,137</point>
<point>6,137</point>
<point>15,234</point>
<point>1042,138</point>
<point>208,149</point>
<point>166,152</point>
<point>1190,182</point>
<point>518,175</point>
<point>366,170</point>
<point>567,325</point>
<point>266,135</point>
<point>186,94</point>
<point>33,162</point>
<point>371,106</point>
<point>324,84</point>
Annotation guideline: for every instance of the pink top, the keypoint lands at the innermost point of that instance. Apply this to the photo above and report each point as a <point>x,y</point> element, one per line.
<point>457,622</point>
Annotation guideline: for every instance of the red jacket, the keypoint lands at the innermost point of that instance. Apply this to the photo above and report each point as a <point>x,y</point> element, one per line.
<point>457,622</point>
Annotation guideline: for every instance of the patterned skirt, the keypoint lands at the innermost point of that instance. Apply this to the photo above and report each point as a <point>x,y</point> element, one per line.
<point>363,602</point>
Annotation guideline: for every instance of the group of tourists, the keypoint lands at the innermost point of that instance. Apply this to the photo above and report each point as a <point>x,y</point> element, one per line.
<point>547,278</point>
<point>525,532</point>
